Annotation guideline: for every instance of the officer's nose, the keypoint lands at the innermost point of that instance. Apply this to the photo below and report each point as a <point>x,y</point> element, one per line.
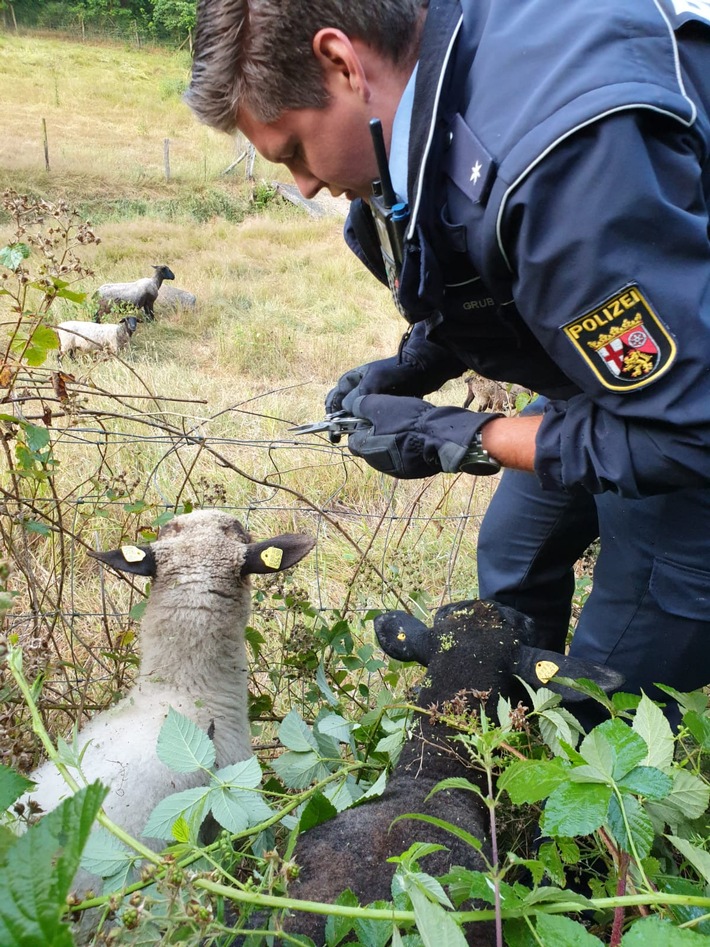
<point>308,184</point>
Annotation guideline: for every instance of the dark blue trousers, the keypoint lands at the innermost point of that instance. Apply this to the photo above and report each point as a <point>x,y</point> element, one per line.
<point>648,615</point>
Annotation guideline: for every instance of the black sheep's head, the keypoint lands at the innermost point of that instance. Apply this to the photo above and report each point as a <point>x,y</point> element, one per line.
<point>483,646</point>
<point>163,271</point>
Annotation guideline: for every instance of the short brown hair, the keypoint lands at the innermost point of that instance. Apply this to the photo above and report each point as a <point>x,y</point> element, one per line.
<point>258,53</point>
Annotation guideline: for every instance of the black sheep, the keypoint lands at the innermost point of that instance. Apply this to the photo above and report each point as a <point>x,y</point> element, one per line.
<point>473,645</point>
<point>140,294</point>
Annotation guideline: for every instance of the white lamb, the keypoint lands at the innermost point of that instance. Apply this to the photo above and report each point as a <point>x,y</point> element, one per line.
<point>193,659</point>
<point>89,337</point>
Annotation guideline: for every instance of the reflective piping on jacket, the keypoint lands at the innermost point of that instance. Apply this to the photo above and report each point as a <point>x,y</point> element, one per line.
<point>681,87</point>
<point>676,59</point>
<point>465,282</point>
<point>430,136</point>
<point>567,134</point>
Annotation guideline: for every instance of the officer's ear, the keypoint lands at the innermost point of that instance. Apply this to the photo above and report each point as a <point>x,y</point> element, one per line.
<point>540,668</point>
<point>342,66</point>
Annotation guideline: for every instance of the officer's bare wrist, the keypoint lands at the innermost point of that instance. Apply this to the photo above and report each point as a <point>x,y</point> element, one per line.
<point>511,441</point>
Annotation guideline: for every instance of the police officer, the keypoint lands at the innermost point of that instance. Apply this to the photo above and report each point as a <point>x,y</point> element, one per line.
<point>555,162</point>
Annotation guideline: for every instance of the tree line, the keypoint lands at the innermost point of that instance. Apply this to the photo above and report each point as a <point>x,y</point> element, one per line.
<point>162,19</point>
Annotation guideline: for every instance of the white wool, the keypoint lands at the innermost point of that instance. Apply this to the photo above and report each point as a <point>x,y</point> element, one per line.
<point>75,336</point>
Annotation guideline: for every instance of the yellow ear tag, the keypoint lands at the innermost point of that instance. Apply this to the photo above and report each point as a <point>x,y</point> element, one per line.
<point>132,553</point>
<point>272,556</point>
<point>401,636</point>
<point>546,670</point>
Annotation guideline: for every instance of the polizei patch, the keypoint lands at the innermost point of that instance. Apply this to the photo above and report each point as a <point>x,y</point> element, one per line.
<point>623,341</point>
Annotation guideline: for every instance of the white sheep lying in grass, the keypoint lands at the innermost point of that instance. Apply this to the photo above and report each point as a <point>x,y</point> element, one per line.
<point>141,293</point>
<point>88,337</point>
<point>193,660</point>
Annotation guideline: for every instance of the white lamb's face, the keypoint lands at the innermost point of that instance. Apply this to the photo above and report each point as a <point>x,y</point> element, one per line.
<point>205,538</point>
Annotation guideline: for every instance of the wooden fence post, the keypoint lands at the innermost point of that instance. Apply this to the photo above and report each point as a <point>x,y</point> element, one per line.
<point>166,157</point>
<point>46,144</point>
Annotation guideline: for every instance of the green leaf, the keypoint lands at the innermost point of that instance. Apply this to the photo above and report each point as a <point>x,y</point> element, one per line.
<point>182,746</point>
<point>336,928</point>
<point>554,931</point>
<point>558,727</point>
<point>71,294</point>
<point>324,687</point>
<point>137,611</point>
<point>190,804</point>
<point>528,781</point>
<point>36,438</point>
<point>698,857</point>
<point>41,529</point>
<point>12,786</point>
<point>613,748</point>
<point>699,726</point>
<point>38,871</point>
<point>576,809</point>
<point>246,774</point>
<point>429,885</point>
<point>585,686</point>
<point>229,812</point>
<point>455,782</point>
<point>44,338</point>
<point>653,932</point>
<point>344,793</point>
<point>436,926</point>
<point>636,826</point>
<point>695,700</point>
<point>652,726</point>
<point>463,884</point>
<point>12,255</point>
<point>648,782</point>
<point>35,346</point>
<point>299,770</point>
<point>690,795</point>
<point>295,734</point>
<point>335,726</point>
<point>456,830</point>
<point>105,855</point>
<point>373,933</point>
<point>318,809</point>
<point>181,830</point>
<point>234,803</point>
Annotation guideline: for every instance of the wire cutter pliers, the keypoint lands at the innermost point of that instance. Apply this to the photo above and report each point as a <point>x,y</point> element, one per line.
<point>335,424</point>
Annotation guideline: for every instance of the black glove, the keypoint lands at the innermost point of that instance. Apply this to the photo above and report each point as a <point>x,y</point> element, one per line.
<point>420,368</point>
<point>411,438</point>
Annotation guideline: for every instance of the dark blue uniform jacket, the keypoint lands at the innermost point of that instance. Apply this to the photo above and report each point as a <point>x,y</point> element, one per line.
<point>559,184</point>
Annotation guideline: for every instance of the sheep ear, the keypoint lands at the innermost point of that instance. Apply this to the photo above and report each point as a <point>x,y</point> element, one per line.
<point>139,560</point>
<point>539,667</point>
<point>277,554</point>
<point>405,638</point>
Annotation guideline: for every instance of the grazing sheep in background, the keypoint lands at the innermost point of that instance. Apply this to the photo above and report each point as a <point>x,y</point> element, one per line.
<point>88,337</point>
<point>193,659</point>
<point>473,645</point>
<point>141,294</point>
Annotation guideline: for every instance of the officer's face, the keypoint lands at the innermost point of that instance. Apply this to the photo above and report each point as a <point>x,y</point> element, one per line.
<point>329,147</point>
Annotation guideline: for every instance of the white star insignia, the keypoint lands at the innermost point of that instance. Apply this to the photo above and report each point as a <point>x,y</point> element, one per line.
<point>476,172</point>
